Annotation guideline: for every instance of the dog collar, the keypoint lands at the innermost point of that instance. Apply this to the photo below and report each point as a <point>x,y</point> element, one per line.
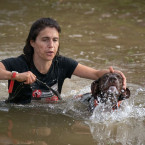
<point>95,102</point>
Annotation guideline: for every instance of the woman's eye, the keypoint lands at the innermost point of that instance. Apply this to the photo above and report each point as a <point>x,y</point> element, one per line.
<point>55,40</point>
<point>44,40</point>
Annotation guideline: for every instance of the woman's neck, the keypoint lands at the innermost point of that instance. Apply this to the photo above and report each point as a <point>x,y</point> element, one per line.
<point>41,65</point>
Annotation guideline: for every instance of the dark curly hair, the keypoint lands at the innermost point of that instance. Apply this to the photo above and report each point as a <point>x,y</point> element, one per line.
<point>36,27</point>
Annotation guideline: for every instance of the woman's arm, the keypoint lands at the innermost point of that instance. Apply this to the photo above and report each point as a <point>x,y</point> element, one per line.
<point>4,74</point>
<point>26,77</point>
<point>90,73</point>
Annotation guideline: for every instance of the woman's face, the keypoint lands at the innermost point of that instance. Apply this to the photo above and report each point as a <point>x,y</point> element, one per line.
<point>46,44</point>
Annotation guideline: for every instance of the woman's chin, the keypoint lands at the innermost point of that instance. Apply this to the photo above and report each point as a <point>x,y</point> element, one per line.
<point>49,58</point>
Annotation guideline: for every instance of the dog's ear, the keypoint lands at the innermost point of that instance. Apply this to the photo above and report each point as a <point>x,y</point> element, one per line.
<point>95,88</point>
<point>124,95</point>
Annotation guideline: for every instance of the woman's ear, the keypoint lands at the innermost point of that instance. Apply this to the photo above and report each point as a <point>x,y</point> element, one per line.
<point>32,43</point>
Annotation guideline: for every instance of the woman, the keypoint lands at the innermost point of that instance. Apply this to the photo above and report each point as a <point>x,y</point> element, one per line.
<point>39,73</point>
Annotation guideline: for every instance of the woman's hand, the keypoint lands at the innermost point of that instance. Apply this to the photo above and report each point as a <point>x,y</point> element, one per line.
<point>26,77</point>
<point>123,76</point>
<point>90,73</point>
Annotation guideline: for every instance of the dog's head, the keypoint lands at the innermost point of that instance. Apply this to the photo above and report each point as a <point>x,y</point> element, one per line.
<point>109,88</point>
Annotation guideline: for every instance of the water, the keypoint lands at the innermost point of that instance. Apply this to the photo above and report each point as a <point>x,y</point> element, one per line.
<point>95,33</point>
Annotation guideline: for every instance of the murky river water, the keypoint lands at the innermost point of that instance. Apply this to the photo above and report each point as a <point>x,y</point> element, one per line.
<point>95,33</point>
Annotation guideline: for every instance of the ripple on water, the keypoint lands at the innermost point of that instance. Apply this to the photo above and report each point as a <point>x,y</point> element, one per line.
<point>124,125</point>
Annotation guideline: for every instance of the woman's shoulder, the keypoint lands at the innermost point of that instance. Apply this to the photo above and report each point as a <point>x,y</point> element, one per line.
<point>64,61</point>
<point>16,63</point>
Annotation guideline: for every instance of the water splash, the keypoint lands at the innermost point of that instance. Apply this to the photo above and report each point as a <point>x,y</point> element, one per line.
<point>125,125</point>
<point>104,114</point>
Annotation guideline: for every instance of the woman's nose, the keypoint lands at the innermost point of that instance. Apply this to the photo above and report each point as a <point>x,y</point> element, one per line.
<point>50,43</point>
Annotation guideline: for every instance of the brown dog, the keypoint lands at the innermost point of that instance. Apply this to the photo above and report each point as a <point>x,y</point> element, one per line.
<point>108,90</point>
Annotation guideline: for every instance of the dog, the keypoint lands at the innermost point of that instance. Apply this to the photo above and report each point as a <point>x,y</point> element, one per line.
<point>108,89</point>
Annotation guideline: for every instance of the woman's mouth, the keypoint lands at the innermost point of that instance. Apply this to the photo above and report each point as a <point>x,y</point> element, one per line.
<point>50,53</point>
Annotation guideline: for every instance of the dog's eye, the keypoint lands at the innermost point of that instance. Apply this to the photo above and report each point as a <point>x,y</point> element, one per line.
<point>107,76</point>
<point>118,76</point>
<point>120,79</point>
